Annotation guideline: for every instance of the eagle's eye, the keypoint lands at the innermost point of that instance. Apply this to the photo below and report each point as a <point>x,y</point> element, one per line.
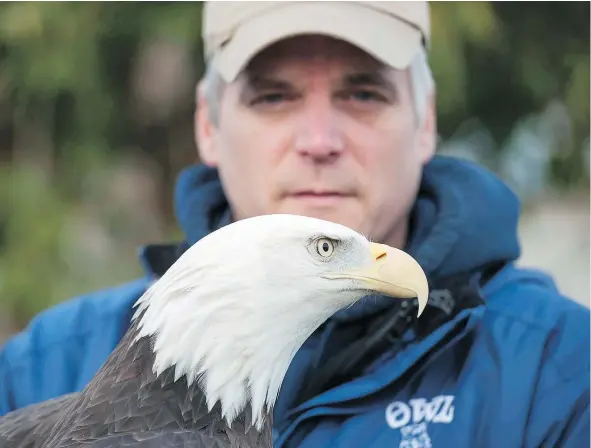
<point>325,247</point>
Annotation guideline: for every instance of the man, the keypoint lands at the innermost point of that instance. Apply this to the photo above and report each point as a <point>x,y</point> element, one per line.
<point>328,110</point>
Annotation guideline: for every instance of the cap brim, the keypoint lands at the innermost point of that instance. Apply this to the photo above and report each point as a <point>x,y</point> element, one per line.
<point>385,37</point>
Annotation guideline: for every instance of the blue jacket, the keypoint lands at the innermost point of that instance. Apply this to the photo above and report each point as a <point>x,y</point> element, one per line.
<point>512,372</point>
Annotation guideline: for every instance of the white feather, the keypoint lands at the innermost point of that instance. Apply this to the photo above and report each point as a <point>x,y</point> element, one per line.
<point>235,308</point>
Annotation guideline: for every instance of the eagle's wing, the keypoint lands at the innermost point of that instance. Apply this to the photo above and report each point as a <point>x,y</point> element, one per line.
<point>127,405</point>
<point>193,438</point>
<point>28,427</point>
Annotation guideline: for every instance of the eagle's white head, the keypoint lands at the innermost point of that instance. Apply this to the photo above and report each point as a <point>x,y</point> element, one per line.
<point>234,309</point>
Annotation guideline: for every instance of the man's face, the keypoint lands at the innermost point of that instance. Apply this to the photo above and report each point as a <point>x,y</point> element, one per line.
<point>318,127</point>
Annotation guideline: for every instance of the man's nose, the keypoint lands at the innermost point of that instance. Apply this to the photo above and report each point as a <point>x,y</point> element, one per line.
<point>318,137</point>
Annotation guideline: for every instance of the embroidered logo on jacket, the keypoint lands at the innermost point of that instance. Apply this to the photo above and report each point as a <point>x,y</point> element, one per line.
<point>413,418</point>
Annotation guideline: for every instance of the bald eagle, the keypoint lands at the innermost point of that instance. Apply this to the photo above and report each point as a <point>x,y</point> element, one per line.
<point>210,342</point>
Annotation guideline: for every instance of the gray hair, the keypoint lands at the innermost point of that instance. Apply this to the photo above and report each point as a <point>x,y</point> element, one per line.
<point>421,78</point>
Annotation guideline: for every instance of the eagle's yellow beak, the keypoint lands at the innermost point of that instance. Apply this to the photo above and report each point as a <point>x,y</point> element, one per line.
<point>393,273</point>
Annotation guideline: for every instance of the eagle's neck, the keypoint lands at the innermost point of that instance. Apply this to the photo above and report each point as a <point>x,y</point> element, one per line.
<point>191,402</point>
<point>243,399</point>
<point>241,367</point>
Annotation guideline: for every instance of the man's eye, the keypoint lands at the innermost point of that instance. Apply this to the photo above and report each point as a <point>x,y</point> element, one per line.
<point>270,98</point>
<point>364,96</point>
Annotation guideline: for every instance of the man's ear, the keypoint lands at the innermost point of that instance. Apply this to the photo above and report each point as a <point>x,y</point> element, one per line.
<point>427,132</point>
<point>204,129</point>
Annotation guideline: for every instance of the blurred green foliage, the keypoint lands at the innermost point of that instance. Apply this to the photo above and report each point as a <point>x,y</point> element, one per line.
<point>88,90</point>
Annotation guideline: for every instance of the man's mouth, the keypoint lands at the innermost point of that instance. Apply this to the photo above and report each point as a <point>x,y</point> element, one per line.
<point>310,193</point>
<point>319,197</point>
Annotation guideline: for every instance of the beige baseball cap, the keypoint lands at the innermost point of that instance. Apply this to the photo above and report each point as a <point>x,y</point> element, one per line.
<point>234,32</point>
